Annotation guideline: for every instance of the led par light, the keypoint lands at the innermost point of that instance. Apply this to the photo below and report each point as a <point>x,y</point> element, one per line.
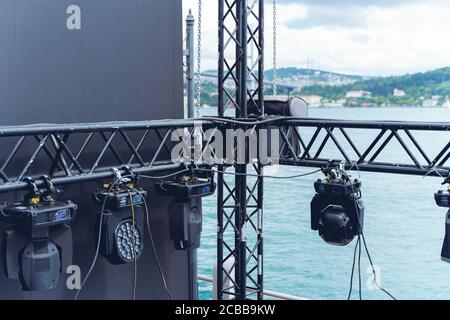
<point>39,243</point>
<point>121,239</point>
<point>337,210</point>
<point>125,234</point>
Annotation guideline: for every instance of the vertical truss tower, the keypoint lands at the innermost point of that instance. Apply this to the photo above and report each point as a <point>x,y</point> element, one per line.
<point>240,200</point>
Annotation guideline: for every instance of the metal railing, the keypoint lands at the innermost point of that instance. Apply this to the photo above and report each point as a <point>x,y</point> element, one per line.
<point>268,293</point>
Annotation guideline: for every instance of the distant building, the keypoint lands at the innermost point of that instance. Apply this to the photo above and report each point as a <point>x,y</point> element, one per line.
<point>433,102</point>
<point>358,94</point>
<point>429,103</point>
<point>313,100</point>
<point>333,104</point>
<point>446,103</point>
<point>399,93</point>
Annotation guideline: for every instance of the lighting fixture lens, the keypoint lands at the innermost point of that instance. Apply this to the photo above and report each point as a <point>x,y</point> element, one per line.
<point>128,241</point>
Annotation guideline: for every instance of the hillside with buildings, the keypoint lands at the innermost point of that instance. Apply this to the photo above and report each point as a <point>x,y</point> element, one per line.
<point>329,89</point>
<point>427,89</point>
<point>301,77</point>
<point>289,80</point>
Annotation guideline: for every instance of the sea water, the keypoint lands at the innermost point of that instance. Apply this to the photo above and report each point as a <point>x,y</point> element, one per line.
<point>404,228</point>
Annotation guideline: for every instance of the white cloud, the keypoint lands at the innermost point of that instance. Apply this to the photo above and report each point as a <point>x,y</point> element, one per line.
<point>352,38</point>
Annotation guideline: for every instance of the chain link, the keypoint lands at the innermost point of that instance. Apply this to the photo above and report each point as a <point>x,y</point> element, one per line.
<point>274,75</point>
<point>199,61</point>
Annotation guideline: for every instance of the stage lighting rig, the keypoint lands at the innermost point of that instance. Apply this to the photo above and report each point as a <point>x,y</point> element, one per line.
<point>337,209</point>
<point>38,245</point>
<point>121,218</point>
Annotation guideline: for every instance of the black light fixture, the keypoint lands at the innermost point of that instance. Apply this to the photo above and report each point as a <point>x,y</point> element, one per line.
<point>122,222</point>
<point>186,209</point>
<point>128,240</point>
<point>292,106</point>
<point>442,198</point>
<point>337,209</point>
<point>186,224</point>
<point>188,186</point>
<point>38,245</point>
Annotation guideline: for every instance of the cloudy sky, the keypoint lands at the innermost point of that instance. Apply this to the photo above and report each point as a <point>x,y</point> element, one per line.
<point>379,37</point>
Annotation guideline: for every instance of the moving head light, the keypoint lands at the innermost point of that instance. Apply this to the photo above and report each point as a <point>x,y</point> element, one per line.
<point>188,186</point>
<point>442,198</point>
<point>186,209</point>
<point>122,222</point>
<point>38,245</point>
<point>186,224</point>
<point>337,210</point>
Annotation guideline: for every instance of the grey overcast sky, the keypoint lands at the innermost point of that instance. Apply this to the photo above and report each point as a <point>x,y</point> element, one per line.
<point>384,37</point>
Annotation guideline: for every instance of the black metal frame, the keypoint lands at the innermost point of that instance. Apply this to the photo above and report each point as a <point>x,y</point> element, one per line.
<point>64,153</point>
<point>57,155</point>
<point>240,206</point>
<point>297,150</point>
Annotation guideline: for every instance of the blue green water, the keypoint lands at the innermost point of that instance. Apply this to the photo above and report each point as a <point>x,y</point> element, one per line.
<point>403,226</point>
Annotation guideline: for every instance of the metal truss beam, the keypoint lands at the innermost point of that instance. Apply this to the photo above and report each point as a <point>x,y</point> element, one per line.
<point>239,202</point>
<point>76,153</point>
<point>421,148</point>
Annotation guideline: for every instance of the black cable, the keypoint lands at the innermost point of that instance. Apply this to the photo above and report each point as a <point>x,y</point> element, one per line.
<point>258,121</point>
<point>134,230</point>
<point>161,272</point>
<point>353,271</point>
<point>8,218</point>
<point>357,248</point>
<point>364,239</point>
<point>163,177</point>
<point>261,176</point>
<point>359,268</point>
<point>373,268</point>
<point>232,173</point>
<point>251,122</point>
<point>101,222</point>
<point>97,250</point>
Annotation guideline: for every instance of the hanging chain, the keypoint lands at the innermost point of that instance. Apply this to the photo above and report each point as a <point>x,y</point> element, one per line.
<point>199,60</point>
<point>274,75</point>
